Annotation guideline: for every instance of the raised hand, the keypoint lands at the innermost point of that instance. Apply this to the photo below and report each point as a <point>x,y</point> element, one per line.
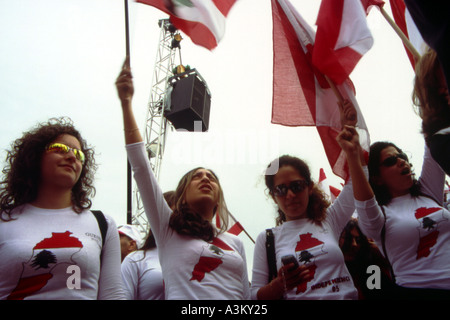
<point>124,83</point>
<point>349,116</point>
<point>348,139</point>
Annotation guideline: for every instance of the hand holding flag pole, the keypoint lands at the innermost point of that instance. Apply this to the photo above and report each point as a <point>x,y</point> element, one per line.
<point>396,6</point>
<point>127,31</point>
<point>347,110</point>
<point>349,115</point>
<point>129,174</point>
<point>400,33</point>
<point>335,89</point>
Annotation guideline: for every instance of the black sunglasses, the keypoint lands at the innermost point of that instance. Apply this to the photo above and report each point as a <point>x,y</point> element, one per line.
<point>296,186</point>
<point>392,160</point>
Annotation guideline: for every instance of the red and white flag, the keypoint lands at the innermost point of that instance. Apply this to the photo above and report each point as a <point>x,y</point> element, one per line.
<point>323,183</point>
<point>405,22</point>
<point>330,191</point>
<point>334,193</point>
<point>301,95</point>
<point>202,20</point>
<point>47,254</point>
<point>342,38</point>
<point>235,227</point>
<point>368,4</point>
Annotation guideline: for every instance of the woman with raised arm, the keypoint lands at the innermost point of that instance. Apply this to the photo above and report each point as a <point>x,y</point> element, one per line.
<point>308,228</point>
<point>198,260</point>
<point>404,216</point>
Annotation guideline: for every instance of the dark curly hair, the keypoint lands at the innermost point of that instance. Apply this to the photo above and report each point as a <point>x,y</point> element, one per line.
<point>22,173</point>
<point>347,238</point>
<point>381,192</point>
<point>185,221</point>
<point>318,202</point>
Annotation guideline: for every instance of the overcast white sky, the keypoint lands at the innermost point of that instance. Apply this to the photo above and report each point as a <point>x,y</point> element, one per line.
<point>61,58</point>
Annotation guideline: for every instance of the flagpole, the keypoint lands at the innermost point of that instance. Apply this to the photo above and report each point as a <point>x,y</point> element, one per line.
<point>129,176</point>
<point>335,90</point>
<point>243,229</point>
<point>127,30</point>
<point>400,33</point>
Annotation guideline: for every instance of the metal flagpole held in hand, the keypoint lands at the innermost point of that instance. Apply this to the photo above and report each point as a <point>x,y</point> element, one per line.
<point>402,36</point>
<point>129,176</point>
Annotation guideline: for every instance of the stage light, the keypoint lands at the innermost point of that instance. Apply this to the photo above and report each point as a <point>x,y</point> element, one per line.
<point>176,40</point>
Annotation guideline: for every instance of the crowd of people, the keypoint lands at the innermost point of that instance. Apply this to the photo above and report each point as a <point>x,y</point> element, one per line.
<point>53,246</point>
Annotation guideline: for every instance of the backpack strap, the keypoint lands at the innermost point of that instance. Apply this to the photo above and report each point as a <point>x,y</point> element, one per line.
<point>102,224</point>
<point>383,244</point>
<point>270,251</point>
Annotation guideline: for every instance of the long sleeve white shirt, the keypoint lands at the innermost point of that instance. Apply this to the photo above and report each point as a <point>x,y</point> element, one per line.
<point>142,275</point>
<point>417,236</point>
<point>55,254</point>
<point>192,268</point>
<point>315,246</point>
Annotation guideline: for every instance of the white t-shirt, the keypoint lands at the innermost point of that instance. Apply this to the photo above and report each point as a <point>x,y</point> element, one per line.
<point>192,268</point>
<point>55,254</point>
<point>417,241</point>
<point>315,246</point>
<point>417,231</point>
<point>142,275</point>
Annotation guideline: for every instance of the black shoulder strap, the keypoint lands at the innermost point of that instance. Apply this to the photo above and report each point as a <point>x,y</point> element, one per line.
<point>102,224</point>
<point>270,250</point>
<point>383,243</point>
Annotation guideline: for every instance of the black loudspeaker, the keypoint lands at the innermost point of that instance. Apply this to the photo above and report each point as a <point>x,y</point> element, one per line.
<point>190,102</point>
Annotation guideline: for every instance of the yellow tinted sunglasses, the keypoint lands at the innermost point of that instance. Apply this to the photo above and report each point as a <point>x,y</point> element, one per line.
<point>62,148</point>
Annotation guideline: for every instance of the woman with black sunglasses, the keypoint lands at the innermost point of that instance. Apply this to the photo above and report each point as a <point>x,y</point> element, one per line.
<point>308,228</point>
<point>404,216</point>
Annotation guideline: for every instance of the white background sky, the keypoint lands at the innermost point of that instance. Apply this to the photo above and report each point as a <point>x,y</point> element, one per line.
<point>61,58</point>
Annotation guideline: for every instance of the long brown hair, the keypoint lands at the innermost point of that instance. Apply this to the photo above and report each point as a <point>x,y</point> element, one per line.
<point>317,203</point>
<point>431,104</point>
<point>22,173</point>
<point>185,221</point>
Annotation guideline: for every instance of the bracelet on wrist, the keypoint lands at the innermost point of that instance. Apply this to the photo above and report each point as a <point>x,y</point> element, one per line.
<point>131,130</point>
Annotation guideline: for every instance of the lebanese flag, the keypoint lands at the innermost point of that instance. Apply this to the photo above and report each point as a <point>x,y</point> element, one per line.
<point>406,23</point>
<point>207,264</point>
<point>323,183</point>
<point>236,228</point>
<point>368,4</point>
<point>301,95</point>
<point>331,192</point>
<point>334,192</point>
<point>307,250</point>
<point>38,270</point>
<point>202,20</point>
<point>342,38</point>
<point>429,219</point>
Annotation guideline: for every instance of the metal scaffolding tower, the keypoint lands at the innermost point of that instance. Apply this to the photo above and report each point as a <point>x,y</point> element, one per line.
<point>156,123</point>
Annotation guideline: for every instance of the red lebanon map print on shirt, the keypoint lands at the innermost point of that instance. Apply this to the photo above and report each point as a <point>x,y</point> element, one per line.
<point>429,218</point>
<point>307,249</point>
<point>209,263</point>
<point>38,270</point>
